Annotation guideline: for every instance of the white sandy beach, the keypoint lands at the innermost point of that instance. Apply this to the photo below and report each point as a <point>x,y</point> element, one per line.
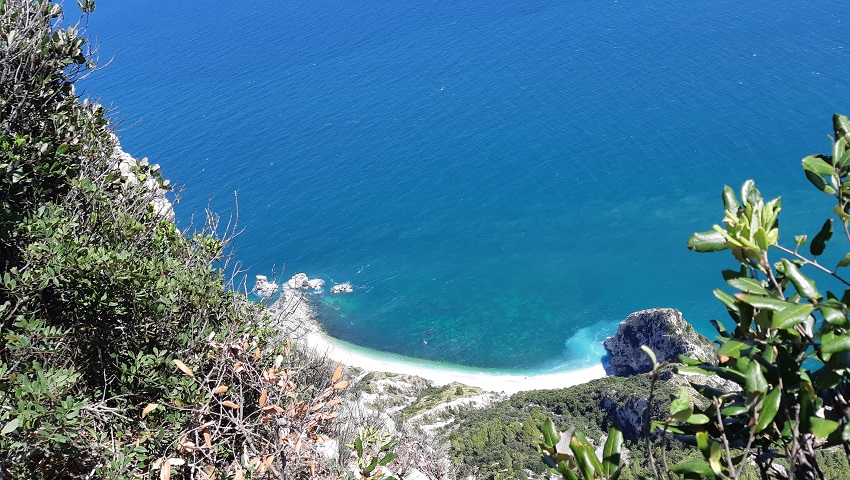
<point>313,337</point>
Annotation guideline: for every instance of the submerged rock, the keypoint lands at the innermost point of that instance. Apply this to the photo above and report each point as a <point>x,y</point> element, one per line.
<point>661,329</point>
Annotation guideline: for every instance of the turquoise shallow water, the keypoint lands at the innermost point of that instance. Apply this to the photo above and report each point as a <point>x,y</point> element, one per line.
<point>502,181</point>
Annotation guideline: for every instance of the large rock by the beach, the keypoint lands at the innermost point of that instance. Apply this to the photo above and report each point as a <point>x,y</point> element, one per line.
<point>661,329</point>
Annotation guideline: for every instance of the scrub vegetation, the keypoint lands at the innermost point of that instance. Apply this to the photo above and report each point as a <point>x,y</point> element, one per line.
<point>125,351</point>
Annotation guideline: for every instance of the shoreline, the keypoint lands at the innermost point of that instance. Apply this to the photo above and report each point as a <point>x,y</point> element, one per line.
<point>296,317</point>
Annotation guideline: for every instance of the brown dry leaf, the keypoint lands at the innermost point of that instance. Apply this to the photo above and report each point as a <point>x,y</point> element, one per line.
<point>165,472</point>
<point>317,406</point>
<point>272,409</point>
<point>245,346</point>
<point>151,407</point>
<point>239,475</point>
<point>337,374</point>
<point>256,354</point>
<point>335,401</point>
<point>340,385</point>
<point>209,470</point>
<point>157,464</point>
<point>237,367</point>
<point>220,389</point>
<point>263,397</point>
<point>208,439</point>
<point>297,447</point>
<point>185,447</point>
<point>183,368</point>
<point>229,404</point>
<point>286,347</point>
<point>330,416</point>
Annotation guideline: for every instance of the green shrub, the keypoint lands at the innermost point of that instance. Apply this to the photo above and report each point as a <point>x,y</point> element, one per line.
<point>125,352</point>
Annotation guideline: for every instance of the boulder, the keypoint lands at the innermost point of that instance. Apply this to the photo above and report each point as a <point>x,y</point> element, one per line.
<point>297,282</point>
<point>342,288</point>
<point>263,287</point>
<point>661,329</point>
<point>300,281</point>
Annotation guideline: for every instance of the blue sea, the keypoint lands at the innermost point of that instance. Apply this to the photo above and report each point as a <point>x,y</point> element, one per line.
<point>502,181</point>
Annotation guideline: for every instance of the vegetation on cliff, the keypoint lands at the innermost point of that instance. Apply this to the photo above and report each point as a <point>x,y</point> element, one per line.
<point>124,352</point>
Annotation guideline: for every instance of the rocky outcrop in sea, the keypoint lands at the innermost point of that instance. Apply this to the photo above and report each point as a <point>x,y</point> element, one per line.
<point>661,329</point>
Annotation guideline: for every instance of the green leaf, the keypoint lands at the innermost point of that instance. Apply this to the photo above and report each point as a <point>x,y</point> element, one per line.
<point>760,237</point>
<point>818,165</point>
<point>844,261</point>
<point>748,285</point>
<point>769,408</point>
<point>611,452</point>
<point>730,203</point>
<point>11,426</point>
<point>732,348</point>
<point>755,381</point>
<point>805,286</point>
<point>703,442</point>
<point>697,419</point>
<point>749,193</point>
<point>388,458</point>
<point>551,435</point>
<point>698,467</point>
<point>791,316</point>
<point>691,370</point>
<point>765,303</point>
<point>681,408</point>
<point>727,300</point>
<point>834,343</point>
<point>834,312</point>
<point>372,465</point>
<point>734,410</point>
<point>820,183</point>
<point>583,454</point>
<point>710,241</point>
<point>841,125</point>
<point>358,445</point>
<point>821,428</point>
<point>819,242</point>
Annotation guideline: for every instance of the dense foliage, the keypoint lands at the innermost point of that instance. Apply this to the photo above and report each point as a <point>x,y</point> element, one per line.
<point>124,352</point>
<point>499,441</point>
<point>789,350</point>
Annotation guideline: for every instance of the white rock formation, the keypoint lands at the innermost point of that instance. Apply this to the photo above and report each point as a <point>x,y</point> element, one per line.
<point>300,281</point>
<point>263,287</point>
<point>342,288</point>
<point>125,164</point>
<point>664,331</point>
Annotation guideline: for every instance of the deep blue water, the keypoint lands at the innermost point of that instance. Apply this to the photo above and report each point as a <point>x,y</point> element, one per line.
<point>503,180</point>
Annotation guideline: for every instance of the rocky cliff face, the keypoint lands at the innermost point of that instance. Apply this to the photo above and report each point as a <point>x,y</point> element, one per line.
<point>661,329</point>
